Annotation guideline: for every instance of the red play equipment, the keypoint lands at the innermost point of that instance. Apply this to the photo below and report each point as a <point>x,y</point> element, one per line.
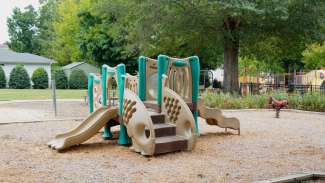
<point>277,105</point>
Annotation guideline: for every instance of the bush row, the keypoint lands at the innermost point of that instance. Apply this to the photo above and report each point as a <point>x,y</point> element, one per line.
<point>310,102</point>
<point>19,79</point>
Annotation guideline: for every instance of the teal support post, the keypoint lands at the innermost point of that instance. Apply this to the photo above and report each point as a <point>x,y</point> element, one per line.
<point>104,81</point>
<point>90,92</point>
<point>162,69</point>
<point>142,78</point>
<point>195,69</point>
<point>123,137</point>
<point>107,134</point>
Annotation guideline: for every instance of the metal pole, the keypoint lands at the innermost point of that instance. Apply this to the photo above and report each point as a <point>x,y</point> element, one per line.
<point>54,97</point>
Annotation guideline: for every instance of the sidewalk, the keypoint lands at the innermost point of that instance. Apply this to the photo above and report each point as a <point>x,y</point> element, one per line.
<point>23,111</point>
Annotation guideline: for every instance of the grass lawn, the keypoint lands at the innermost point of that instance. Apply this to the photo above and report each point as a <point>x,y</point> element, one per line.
<point>32,94</point>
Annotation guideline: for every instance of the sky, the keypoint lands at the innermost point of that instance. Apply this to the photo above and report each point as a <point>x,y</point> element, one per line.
<point>6,7</point>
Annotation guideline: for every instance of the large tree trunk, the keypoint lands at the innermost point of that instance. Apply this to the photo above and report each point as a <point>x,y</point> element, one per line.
<point>231,51</point>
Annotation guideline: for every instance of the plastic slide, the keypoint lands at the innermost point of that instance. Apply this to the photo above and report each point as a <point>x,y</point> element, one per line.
<point>88,128</point>
<point>215,117</point>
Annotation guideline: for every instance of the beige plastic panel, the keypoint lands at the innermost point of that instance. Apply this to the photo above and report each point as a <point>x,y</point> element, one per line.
<point>112,91</point>
<point>97,94</point>
<point>178,112</point>
<point>131,83</point>
<point>180,79</point>
<point>215,117</point>
<point>137,120</point>
<point>151,81</point>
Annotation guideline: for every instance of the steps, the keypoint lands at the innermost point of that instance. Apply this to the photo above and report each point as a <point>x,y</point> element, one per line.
<point>166,138</point>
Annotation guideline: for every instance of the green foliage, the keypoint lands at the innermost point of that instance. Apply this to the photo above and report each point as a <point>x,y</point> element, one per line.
<point>2,78</point>
<point>314,56</point>
<point>65,46</point>
<point>19,78</point>
<point>209,28</point>
<point>98,44</point>
<point>22,30</point>
<point>78,80</point>
<point>47,16</point>
<point>40,79</point>
<point>61,80</point>
<point>271,33</point>
<point>310,102</point>
<point>227,101</point>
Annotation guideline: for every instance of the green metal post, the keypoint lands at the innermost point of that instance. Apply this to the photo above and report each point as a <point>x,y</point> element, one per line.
<point>195,70</point>
<point>123,137</point>
<point>104,80</point>
<point>162,69</point>
<point>107,134</point>
<point>90,92</point>
<point>142,78</point>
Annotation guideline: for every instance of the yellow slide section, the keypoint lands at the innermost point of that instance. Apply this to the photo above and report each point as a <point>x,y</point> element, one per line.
<point>215,117</point>
<point>88,128</point>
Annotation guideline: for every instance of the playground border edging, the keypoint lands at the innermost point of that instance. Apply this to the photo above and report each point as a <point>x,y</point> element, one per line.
<point>41,121</point>
<point>288,110</point>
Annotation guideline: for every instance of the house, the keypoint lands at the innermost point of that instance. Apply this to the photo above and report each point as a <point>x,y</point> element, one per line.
<point>87,68</point>
<point>9,59</point>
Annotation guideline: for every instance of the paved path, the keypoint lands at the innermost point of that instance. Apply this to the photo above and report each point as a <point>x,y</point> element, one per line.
<point>37,111</point>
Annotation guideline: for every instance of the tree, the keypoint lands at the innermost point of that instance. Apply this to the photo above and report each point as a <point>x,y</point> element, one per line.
<point>2,78</point>
<point>47,16</point>
<point>99,45</point>
<point>65,46</point>
<point>40,79</point>
<point>23,30</point>
<point>314,56</point>
<point>226,26</point>
<point>19,78</point>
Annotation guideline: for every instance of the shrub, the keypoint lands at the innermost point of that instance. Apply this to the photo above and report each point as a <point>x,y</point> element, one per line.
<point>2,78</point>
<point>61,80</point>
<point>40,79</point>
<point>78,80</point>
<point>310,101</point>
<point>19,78</point>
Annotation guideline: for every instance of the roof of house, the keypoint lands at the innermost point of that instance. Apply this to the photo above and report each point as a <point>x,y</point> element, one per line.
<point>10,57</point>
<point>74,64</point>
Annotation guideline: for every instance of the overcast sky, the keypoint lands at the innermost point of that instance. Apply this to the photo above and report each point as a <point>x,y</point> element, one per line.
<point>6,7</point>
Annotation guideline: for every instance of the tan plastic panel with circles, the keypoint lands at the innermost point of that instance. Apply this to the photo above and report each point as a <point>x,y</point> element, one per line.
<point>179,113</point>
<point>137,120</point>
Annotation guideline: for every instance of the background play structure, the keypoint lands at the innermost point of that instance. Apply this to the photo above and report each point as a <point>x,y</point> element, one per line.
<point>157,110</point>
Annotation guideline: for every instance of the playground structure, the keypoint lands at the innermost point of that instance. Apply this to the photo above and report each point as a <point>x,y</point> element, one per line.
<point>277,105</point>
<point>215,117</point>
<point>157,110</point>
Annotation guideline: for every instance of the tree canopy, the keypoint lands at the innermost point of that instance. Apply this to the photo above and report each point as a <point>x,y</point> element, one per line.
<point>314,56</point>
<point>274,32</point>
<point>22,30</point>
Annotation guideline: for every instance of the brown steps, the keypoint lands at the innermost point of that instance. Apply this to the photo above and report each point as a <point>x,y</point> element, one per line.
<point>170,144</point>
<point>163,129</point>
<point>166,138</point>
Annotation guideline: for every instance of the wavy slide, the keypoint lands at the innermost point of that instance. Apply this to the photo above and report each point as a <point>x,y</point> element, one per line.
<point>88,128</point>
<point>215,117</point>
